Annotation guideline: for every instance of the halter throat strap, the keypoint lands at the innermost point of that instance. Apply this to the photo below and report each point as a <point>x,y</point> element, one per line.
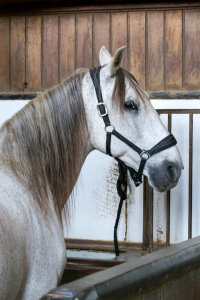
<point>164,144</point>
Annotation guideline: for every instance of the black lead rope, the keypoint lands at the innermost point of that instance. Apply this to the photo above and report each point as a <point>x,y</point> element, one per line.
<point>165,143</point>
<point>122,190</point>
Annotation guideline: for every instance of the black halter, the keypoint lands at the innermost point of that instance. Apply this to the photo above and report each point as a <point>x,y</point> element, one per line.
<point>165,143</point>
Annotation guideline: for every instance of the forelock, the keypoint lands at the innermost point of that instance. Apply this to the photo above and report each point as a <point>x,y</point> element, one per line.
<point>119,91</point>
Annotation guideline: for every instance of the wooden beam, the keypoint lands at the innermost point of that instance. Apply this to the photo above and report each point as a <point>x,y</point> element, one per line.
<point>15,7</point>
<point>136,276</point>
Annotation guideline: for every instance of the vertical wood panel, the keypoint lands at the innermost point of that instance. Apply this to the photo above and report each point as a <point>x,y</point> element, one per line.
<point>155,65</point>
<point>17,54</point>
<point>137,298</point>
<point>136,29</point>
<point>84,40</point>
<point>101,35</point>
<point>153,295</point>
<point>4,54</point>
<point>50,51</point>
<point>185,287</point>
<point>163,70</point>
<point>33,53</point>
<point>173,50</point>
<point>119,34</point>
<point>67,46</point>
<point>192,50</point>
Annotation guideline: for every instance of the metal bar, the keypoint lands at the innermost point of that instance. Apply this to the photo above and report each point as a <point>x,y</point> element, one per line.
<point>179,96</point>
<point>150,227</point>
<point>18,96</point>
<point>126,220</point>
<point>168,220</point>
<point>145,214</point>
<point>168,194</point>
<point>190,176</point>
<point>178,111</point>
<point>156,95</point>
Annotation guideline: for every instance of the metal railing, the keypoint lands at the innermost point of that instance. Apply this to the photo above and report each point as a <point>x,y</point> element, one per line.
<point>149,193</point>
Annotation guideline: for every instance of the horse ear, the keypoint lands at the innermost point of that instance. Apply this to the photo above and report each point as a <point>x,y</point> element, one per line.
<point>104,56</point>
<point>117,61</point>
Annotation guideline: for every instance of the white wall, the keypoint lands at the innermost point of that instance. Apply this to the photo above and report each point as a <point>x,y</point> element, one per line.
<point>96,199</point>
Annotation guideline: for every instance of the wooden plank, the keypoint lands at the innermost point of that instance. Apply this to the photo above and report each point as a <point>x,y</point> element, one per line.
<point>155,61</point>
<point>33,53</point>
<point>17,53</point>
<point>136,298</point>
<point>136,29</point>
<point>44,7</point>
<point>101,35</point>
<point>50,51</point>
<point>82,244</point>
<point>173,49</point>
<point>79,267</point>
<point>168,290</point>
<point>84,40</point>
<point>153,295</point>
<point>185,287</point>
<point>139,275</point>
<point>192,53</point>
<point>119,34</point>
<point>4,54</point>
<point>67,46</point>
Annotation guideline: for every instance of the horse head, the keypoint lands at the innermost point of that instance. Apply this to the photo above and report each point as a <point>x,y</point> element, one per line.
<point>124,110</point>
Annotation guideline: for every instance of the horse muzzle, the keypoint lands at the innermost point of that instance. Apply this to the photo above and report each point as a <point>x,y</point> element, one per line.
<point>164,176</point>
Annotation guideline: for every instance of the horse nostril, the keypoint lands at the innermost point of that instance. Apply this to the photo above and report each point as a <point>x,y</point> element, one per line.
<point>172,172</point>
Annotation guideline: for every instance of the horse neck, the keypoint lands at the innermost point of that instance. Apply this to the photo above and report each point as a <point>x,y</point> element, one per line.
<point>45,144</point>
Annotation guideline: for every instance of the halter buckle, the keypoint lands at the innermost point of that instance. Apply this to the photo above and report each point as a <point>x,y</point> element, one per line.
<point>109,128</point>
<point>145,154</point>
<point>105,108</point>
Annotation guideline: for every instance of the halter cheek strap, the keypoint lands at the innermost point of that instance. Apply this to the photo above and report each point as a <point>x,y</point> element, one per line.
<point>164,144</point>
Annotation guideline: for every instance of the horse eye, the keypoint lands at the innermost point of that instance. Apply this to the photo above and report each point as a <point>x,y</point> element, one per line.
<point>130,105</point>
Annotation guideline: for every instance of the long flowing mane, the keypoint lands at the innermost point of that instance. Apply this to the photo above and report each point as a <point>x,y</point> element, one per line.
<point>44,142</point>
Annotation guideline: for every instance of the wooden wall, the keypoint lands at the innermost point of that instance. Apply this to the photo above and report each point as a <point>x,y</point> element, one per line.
<point>163,47</point>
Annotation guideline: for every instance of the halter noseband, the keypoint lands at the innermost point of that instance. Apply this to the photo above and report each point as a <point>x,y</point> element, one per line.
<point>164,144</point>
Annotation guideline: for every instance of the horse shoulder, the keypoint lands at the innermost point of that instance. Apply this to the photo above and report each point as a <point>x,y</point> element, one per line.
<point>30,250</point>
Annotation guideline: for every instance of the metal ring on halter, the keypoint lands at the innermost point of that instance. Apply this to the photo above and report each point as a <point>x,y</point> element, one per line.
<point>145,154</point>
<point>105,107</point>
<point>109,128</point>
